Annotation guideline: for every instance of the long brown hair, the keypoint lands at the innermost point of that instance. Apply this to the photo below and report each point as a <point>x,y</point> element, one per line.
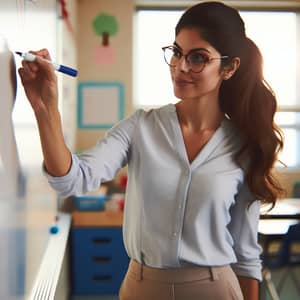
<point>246,98</point>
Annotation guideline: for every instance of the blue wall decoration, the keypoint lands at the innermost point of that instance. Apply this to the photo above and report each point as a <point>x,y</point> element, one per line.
<point>100,104</point>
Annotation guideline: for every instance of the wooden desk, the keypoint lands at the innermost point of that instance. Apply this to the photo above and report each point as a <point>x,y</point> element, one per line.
<point>288,208</point>
<point>97,219</point>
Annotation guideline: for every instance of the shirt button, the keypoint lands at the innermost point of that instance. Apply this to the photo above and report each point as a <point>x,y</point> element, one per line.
<point>174,234</point>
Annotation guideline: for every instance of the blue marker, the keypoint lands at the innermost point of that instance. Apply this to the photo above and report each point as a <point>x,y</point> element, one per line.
<point>60,68</point>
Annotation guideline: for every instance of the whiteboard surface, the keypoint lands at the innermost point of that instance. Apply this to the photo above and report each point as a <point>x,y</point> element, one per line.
<point>27,203</point>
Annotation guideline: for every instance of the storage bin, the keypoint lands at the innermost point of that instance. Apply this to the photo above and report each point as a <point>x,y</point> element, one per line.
<point>90,203</point>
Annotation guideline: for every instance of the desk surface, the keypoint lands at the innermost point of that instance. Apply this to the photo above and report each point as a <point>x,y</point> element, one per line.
<point>96,218</point>
<point>288,208</point>
<point>275,227</point>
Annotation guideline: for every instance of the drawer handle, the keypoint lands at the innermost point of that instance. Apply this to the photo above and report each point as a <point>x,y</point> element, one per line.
<point>102,259</point>
<point>101,240</point>
<point>102,278</point>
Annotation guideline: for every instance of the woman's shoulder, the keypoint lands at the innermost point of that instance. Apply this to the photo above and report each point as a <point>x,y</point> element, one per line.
<point>146,113</point>
<point>143,115</point>
<point>157,110</point>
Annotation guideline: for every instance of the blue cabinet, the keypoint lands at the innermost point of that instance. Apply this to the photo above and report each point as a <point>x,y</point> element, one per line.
<point>99,260</point>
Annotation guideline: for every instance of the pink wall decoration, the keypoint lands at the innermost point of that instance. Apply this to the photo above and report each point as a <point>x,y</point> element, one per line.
<point>105,26</point>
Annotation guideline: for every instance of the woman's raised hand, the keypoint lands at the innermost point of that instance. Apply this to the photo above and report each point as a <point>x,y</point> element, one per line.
<point>40,85</point>
<point>40,82</point>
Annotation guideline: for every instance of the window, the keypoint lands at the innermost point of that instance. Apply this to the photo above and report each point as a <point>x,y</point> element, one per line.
<point>275,33</point>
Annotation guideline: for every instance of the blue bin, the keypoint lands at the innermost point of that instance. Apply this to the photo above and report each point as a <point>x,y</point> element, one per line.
<point>90,203</point>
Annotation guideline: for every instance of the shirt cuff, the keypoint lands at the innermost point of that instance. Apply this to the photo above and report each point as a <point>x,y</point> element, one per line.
<point>62,184</point>
<point>248,270</point>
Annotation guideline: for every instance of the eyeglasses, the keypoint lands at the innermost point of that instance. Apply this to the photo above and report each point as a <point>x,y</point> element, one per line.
<point>195,60</point>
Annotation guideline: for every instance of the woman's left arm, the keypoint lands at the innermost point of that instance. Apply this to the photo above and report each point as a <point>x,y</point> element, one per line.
<point>244,231</point>
<point>250,288</point>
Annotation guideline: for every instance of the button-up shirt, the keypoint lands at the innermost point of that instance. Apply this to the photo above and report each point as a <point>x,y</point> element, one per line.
<point>176,212</point>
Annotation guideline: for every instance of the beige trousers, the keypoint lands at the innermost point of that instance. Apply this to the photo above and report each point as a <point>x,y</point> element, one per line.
<point>189,283</point>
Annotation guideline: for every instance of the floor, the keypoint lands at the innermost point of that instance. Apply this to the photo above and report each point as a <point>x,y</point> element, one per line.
<point>289,291</point>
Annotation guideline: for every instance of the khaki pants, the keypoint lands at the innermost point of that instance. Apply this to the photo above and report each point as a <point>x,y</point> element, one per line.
<point>189,283</point>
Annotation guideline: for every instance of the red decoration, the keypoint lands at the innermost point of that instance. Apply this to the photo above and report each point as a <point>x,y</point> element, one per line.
<point>123,182</point>
<point>65,16</point>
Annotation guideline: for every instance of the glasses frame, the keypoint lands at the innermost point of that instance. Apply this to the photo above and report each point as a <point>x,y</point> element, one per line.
<point>209,59</point>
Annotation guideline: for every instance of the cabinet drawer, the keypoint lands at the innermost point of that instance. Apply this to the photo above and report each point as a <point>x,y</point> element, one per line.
<point>99,260</point>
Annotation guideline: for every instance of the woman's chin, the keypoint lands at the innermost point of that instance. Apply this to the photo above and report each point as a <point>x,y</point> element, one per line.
<point>181,94</point>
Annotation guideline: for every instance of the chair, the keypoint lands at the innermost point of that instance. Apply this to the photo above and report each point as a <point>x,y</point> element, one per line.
<point>285,260</point>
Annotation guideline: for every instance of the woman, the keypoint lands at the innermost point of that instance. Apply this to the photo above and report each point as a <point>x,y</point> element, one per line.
<point>197,170</point>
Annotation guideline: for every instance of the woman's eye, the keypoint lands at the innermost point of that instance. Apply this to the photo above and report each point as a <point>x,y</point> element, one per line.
<point>197,58</point>
<point>177,53</point>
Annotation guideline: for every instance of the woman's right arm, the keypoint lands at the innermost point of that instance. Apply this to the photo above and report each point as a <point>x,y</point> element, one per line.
<point>40,85</point>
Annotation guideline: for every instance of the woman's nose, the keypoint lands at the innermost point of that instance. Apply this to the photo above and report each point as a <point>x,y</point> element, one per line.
<point>183,65</point>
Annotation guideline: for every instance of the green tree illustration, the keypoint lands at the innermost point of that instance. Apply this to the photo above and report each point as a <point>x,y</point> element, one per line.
<point>105,25</point>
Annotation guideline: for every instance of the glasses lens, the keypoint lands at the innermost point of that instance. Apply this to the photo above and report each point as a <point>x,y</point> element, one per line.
<point>172,55</point>
<point>196,61</point>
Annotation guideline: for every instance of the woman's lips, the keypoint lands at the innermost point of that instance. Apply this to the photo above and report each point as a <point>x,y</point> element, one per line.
<point>182,82</point>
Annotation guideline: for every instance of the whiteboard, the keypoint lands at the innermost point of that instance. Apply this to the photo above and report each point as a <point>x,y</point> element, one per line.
<point>27,204</point>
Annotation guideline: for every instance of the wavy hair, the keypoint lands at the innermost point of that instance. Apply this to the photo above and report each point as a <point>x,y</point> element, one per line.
<point>246,98</point>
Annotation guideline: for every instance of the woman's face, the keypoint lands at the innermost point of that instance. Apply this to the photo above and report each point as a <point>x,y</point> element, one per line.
<point>191,85</point>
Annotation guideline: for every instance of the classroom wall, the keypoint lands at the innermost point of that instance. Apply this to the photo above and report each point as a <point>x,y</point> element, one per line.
<point>67,52</point>
<point>120,70</point>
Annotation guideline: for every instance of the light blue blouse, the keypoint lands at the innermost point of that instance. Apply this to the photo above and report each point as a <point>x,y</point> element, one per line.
<point>176,212</point>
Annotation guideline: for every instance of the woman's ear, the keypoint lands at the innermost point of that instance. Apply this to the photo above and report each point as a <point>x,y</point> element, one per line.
<point>230,69</point>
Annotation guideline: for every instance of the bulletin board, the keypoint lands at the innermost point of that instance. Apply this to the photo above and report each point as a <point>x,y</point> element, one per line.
<point>100,104</point>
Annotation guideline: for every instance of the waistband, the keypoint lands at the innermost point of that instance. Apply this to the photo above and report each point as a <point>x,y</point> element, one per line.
<point>186,274</point>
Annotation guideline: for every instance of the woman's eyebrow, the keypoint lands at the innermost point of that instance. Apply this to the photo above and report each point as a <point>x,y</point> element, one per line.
<point>175,44</point>
<point>192,50</point>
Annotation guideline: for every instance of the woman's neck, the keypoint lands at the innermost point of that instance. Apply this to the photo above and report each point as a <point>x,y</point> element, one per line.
<point>199,115</point>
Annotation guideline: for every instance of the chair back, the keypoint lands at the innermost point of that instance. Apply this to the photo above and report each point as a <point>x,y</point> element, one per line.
<point>287,256</point>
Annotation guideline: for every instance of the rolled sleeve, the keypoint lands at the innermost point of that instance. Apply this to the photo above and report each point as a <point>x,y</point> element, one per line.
<point>244,231</point>
<point>98,164</point>
<point>66,185</point>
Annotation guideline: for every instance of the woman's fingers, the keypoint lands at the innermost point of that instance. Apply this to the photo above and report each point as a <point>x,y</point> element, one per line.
<point>39,67</point>
<point>26,74</point>
<point>46,67</point>
<point>44,53</point>
<point>30,66</point>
